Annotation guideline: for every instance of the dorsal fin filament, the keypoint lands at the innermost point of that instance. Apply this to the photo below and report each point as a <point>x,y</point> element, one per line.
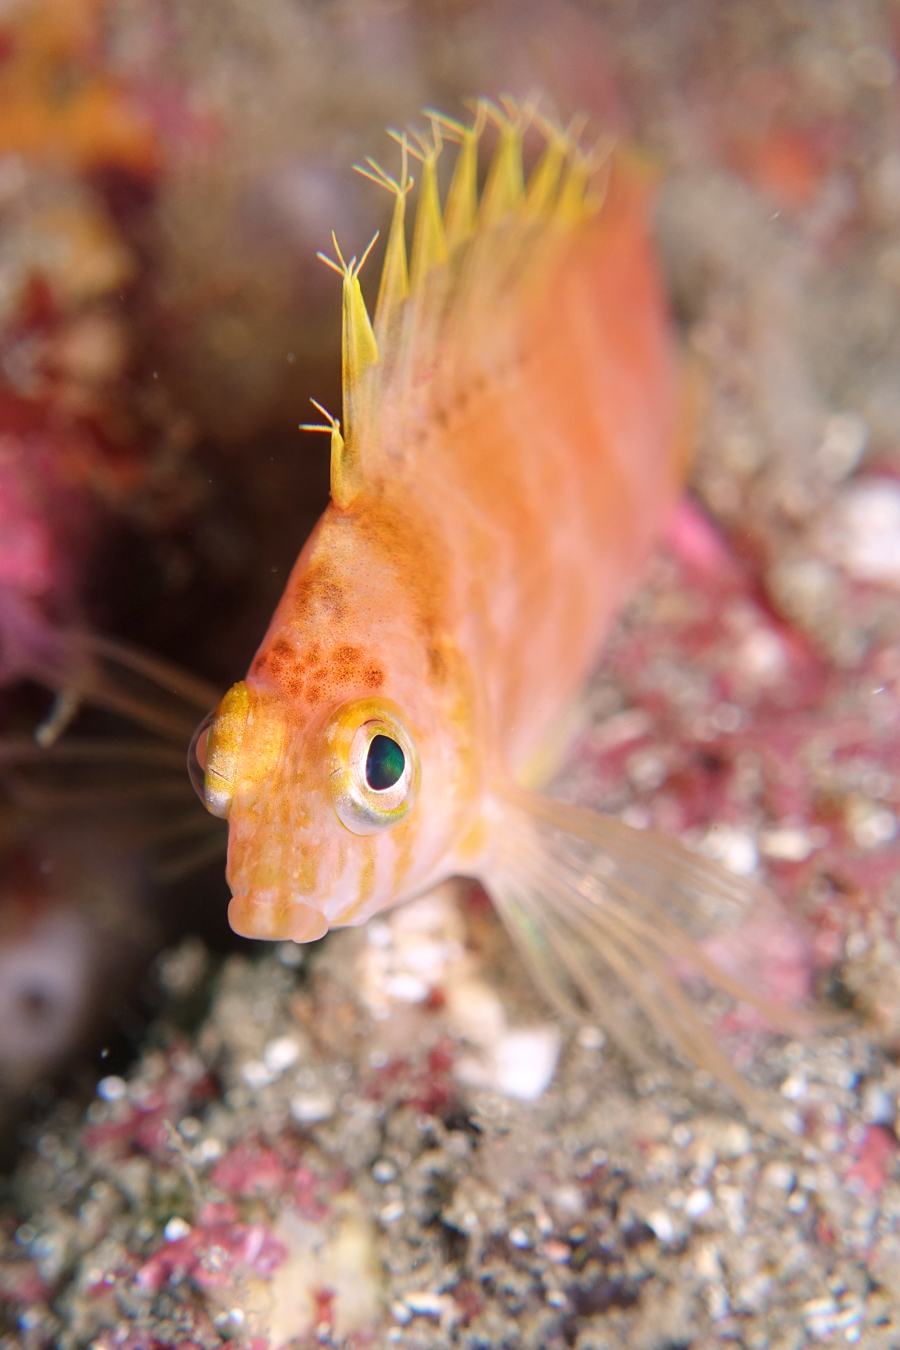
<point>359,353</point>
<point>346,475</point>
<point>429,238</point>
<point>394,286</point>
<point>504,191</point>
<point>461,210</point>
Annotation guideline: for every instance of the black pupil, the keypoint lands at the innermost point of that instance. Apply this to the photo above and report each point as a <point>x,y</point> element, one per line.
<point>385,763</point>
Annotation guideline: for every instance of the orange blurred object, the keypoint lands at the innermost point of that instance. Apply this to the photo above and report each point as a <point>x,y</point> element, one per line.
<point>55,102</point>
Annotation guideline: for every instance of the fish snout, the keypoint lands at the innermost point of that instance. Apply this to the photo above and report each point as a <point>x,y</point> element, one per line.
<point>276,918</point>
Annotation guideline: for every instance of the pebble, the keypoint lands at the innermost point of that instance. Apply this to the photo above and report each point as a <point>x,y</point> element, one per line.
<point>526,1061</point>
<point>309,1107</point>
<point>733,848</point>
<point>867,519</point>
<point>698,1202</point>
<point>112,1088</point>
<point>788,844</point>
<point>280,1054</point>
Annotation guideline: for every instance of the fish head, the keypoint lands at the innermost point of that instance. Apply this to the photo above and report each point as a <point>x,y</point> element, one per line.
<point>345,762</point>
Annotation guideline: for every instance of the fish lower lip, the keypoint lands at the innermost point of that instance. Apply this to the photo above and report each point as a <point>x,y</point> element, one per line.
<point>294,921</point>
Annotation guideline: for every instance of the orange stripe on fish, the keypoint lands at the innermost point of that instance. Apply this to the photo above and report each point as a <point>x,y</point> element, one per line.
<point>512,439</point>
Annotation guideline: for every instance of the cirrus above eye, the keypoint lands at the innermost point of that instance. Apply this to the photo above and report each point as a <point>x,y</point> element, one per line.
<point>374,766</point>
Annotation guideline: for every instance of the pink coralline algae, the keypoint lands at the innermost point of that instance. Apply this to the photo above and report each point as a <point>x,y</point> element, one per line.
<point>740,736</point>
<point>876,1159</point>
<point>213,1256</point>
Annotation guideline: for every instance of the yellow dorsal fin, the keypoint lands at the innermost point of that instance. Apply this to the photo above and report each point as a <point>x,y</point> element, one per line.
<point>359,352</point>
<point>461,210</point>
<point>504,191</point>
<point>566,186</point>
<point>542,189</point>
<point>346,476</point>
<point>584,186</point>
<point>429,240</point>
<point>394,286</point>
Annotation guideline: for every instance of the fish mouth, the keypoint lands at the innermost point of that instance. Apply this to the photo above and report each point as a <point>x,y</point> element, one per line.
<point>282,920</point>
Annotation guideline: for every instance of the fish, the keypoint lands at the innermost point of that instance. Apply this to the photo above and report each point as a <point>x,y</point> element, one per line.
<point>515,431</point>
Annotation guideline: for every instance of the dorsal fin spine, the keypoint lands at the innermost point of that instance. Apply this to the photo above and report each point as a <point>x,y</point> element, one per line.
<point>346,478</point>
<point>461,209</point>
<point>429,239</point>
<point>504,191</point>
<point>359,353</point>
<point>543,182</point>
<point>393,288</point>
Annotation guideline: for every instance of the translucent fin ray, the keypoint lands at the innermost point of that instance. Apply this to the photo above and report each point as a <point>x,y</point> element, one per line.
<point>599,909</point>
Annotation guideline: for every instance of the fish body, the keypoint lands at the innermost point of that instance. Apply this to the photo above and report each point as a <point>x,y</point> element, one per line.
<point>522,455</point>
<point>513,439</point>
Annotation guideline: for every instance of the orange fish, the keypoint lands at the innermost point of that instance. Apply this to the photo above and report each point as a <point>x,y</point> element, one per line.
<point>513,438</point>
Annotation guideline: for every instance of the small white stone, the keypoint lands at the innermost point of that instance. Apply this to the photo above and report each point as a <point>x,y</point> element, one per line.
<point>392,1212</point>
<point>733,848</point>
<point>568,1201</point>
<point>189,1127</point>
<point>176,1229</point>
<point>780,1175</point>
<point>795,1087</point>
<point>519,1237</point>
<point>698,1202</point>
<point>208,1150</point>
<point>378,934</point>
<point>112,1089</point>
<point>647,770</point>
<point>384,1170</point>
<point>787,844</point>
<point>878,1106</point>
<point>762,655</point>
<point>401,1313</point>
<point>406,987</point>
<point>870,824</point>
<point>309,1107</point>
<point>526,1061</point>
<point>280,1054</point>
<point>661,1223</point>
<point>590,1038</point>
<point>256,1074</point>
<point>868,530</point>
<point>734,1141</point>
<point>425,1304</point>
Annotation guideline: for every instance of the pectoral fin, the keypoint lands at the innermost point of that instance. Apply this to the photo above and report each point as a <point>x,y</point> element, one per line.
<point>608,917</point>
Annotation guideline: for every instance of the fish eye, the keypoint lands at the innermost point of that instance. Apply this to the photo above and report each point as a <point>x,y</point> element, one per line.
<point>385,763</point>
<point>215,750</point>
<point>374,766</point>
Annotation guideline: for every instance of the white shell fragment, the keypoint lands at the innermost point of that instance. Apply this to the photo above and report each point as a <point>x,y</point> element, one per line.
<point>866,530</point>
